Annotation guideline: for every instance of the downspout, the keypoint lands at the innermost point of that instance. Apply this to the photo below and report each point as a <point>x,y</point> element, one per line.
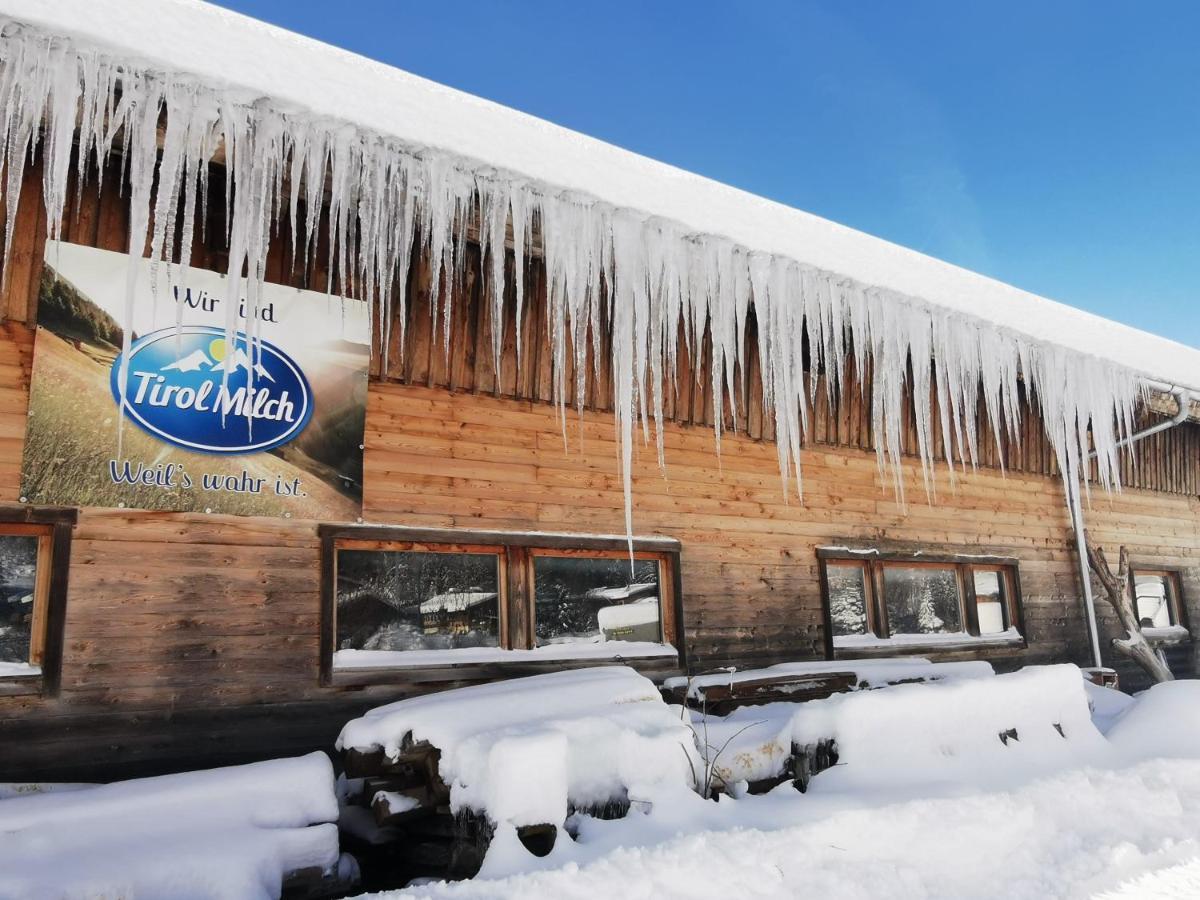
<point>1184,398</point>
<point>1085,575</point>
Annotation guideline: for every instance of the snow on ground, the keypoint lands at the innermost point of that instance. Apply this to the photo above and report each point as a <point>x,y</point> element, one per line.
<point>1164,721</point>
<point>1069,835</point>
<point>223,833</point>
<point>10,789</point>
<point>1110,818</point>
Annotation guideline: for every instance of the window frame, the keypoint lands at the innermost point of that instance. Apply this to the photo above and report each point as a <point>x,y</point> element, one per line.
<point>53,526</point>
<point>1176,608</point>
<point>517,552</point>
<point>874,562</point>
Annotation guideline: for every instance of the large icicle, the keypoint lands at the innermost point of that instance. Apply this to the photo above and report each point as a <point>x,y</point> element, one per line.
<point>645,281</point>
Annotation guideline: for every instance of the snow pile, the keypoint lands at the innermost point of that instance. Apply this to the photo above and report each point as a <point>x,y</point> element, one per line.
<point>960,729</point>
<point>629,615</point>
<point>224,833</point>
<point>1163,721</point>
<point>525,750</point>
<point>1107,704</point>
<point>643,275</point>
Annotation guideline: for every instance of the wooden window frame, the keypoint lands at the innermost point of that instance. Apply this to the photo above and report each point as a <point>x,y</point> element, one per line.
<point>53,526</point>
<point>516,551</point>
<point>1175,605</point>
<point>874,562</point>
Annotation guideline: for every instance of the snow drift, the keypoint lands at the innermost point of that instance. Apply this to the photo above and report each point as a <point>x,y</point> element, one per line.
<point>1163,721</point>
<point>223,833</point>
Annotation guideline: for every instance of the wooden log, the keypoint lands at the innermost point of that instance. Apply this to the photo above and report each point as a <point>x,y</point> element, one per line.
<point>314,883</point>
<point>810,760</point>
<point>398,808</point>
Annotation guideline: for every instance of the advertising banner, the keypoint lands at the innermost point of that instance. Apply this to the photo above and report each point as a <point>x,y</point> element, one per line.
<point>270,424</point>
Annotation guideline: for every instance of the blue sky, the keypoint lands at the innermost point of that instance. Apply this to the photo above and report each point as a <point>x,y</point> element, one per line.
<point>1055,146</point>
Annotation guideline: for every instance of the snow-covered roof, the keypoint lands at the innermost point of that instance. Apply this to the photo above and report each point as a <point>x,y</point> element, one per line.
<point>456,601</point>
<point>228,48</point>
<point>624,592</point>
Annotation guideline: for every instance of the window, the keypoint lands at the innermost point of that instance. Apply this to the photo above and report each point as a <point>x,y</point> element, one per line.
<point>34,555</point>
<point>878,599</point>
<point>847,589</point>
<point>399,598</point>
<point>922,599</point>
<point>1156,597</point>
<point>992,603</point>
<point>593,600</point>
<point>441,598</point>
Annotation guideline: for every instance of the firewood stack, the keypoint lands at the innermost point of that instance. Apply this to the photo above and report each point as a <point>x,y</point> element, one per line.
<point>401,826</point>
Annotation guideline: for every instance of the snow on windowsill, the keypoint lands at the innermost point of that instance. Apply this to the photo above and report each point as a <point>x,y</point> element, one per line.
<point>18,670</point>
<point>397,659</point>
<point>947,641</point>
<point>1172,634</point>
<point>935,555</point>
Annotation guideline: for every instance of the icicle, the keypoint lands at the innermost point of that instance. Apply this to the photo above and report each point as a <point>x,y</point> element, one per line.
<point>642,280</point>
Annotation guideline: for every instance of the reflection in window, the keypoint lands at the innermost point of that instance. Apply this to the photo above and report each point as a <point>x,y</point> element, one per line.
<point>922,599</point>
<point>18,578</point>
<point>1152,595</point>
<point>989,600</point>
<point>847,599</point>
<point>590,600</point>
<point>417,600</point>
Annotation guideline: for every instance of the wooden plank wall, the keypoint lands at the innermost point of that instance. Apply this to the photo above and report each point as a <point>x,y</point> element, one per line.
<point>192,640</point>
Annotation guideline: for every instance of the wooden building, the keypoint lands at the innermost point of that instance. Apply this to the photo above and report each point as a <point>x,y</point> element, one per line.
<point>156,640</point>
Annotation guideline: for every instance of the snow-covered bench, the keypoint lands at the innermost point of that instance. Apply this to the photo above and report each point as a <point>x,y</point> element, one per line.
<point>722,691</point>
<point>957,726</point>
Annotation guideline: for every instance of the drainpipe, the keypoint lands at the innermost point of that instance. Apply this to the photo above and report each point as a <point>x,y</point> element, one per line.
<point>1074,503</point>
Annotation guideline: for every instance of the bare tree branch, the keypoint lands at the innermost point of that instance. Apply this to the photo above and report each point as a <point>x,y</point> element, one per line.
<point>1118,588</point>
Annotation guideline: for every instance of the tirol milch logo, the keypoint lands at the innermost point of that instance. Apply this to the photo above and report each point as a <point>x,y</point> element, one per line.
<point>177,388</point>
